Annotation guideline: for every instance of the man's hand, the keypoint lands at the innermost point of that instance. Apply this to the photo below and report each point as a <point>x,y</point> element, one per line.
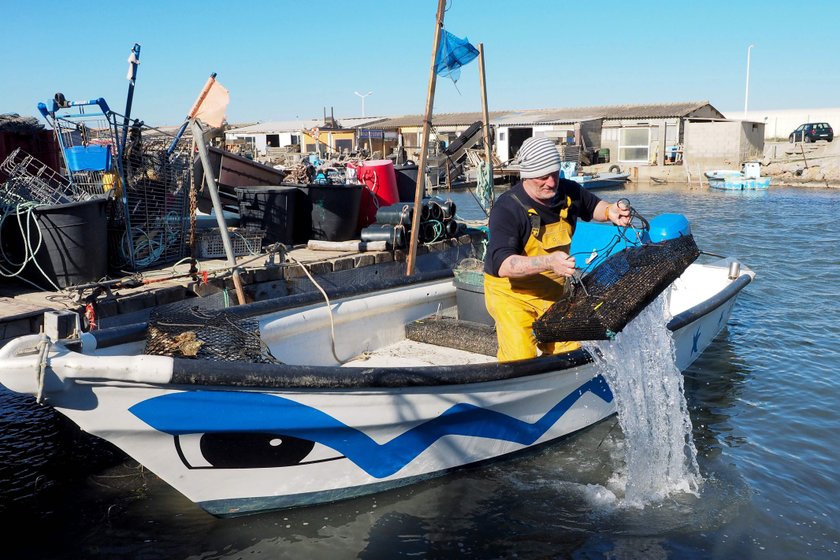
<point>561,263</point>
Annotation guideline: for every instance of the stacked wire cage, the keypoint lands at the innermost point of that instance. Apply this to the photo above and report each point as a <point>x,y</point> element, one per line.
<point>27,180</point>
<point>146,173</point>
<point>157,174</point>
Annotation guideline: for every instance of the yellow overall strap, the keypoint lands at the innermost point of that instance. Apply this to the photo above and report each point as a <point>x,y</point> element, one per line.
<point>514,303</point>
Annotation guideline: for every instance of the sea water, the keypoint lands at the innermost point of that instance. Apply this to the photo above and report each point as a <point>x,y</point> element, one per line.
<point>640,366</point>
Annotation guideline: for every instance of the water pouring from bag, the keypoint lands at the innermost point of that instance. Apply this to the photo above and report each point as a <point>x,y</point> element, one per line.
<point>660,458</point>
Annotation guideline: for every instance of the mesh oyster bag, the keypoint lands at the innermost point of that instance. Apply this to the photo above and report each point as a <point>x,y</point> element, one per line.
<point>616,291</point>
<point>189,330</point>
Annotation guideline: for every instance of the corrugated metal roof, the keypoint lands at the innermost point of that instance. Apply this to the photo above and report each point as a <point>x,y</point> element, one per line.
<point>543,116</point>
<point>560,115</point>
<point>524,117</point>
<point>270,127</point>
<point>441,119</point>
<point>659,111</point>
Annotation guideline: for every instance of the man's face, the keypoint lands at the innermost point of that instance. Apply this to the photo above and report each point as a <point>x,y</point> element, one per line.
<point>542,189</point>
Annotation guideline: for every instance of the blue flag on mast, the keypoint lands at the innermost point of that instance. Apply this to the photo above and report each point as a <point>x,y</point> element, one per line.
<point>452,54</point>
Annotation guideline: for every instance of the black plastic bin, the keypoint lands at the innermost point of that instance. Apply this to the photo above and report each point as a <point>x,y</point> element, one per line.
<point>73,243</point>
<point>270,209</point>
<point>331,211</point>
<point>406,181</point>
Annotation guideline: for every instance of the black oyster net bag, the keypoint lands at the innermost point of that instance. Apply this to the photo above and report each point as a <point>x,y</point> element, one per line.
<point>616,291</point>
<point>191,329</point>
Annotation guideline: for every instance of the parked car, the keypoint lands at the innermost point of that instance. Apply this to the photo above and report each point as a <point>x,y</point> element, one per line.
<point>811,132</point>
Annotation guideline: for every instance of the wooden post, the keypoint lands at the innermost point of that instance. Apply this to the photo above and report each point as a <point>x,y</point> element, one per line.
<point>486,116</point>
<point>424,144</point>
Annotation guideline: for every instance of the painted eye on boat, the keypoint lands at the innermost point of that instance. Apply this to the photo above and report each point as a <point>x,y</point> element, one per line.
<point>249,450</point>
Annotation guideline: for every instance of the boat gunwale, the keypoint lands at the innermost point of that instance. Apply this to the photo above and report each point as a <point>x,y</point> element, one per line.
<point>288,376</point>
<point>706,306</point>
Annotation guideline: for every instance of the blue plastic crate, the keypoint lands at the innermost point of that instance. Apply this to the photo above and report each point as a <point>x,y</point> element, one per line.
<point>88,158</point>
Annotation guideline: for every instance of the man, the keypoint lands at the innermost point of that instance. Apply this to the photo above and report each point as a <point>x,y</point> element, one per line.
<point>528,260</point>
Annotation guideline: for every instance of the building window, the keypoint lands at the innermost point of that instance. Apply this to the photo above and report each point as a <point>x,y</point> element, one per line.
<point>634,145</point>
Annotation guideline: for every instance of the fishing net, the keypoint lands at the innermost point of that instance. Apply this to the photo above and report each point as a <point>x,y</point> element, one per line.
<point>194,329</point>
<point>616,291</point>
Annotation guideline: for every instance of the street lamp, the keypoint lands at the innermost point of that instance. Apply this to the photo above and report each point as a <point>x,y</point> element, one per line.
<point>363,100</point>
<point>747,91</point>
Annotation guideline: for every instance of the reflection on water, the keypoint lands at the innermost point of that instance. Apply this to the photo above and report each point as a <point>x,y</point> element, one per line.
<point>763,401</point>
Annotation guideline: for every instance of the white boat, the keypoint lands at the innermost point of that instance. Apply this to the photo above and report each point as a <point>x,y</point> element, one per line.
<point>604,180</point>
<point>601,180</point>
<point>355,404</point>
<point>749,178</point>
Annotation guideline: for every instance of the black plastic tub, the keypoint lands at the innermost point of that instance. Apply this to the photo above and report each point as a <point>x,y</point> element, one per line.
<point>330,212</point>
<point>406,181</point>
<point>73,245</point>
<point>271,209</point>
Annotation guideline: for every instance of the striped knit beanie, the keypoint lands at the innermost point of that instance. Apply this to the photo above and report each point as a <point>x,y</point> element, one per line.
<point>537,157</point>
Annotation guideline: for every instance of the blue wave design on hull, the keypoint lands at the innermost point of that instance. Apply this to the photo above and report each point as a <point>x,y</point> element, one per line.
<point>197,412</point>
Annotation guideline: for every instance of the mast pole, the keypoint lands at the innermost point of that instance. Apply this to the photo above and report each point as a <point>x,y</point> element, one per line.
<point>424,145</point>
<point>486,116</point>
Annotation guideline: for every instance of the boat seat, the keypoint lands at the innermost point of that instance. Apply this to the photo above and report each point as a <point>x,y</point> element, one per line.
<point>453,333</point>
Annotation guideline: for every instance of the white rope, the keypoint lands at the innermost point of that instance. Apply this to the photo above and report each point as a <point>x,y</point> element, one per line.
<point>329,306</point>
<point>27,211</point>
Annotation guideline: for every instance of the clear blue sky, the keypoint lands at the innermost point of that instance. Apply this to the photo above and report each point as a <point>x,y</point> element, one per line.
<point>285,60</point>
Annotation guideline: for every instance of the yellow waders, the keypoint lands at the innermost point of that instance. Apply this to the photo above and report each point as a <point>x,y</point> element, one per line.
<point>514,303</point>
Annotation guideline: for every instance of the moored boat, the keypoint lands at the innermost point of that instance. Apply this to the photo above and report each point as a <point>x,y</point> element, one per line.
<point>307,402</point>
<point>601,180</point>
<point>748,178</point>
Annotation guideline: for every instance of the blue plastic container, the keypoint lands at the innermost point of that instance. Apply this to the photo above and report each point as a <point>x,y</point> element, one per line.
<point>88,158</point>
<point>668,226</point>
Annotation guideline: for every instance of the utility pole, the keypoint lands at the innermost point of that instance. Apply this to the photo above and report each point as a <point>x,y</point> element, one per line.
<point>747,90</point>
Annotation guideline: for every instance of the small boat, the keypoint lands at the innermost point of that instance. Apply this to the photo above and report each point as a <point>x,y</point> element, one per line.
<point>605,180</point>
<point>310,401</point>
<point>601,180</point>
<point>749,178</point>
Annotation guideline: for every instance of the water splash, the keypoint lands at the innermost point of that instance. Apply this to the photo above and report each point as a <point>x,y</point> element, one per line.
<point>641,369</point>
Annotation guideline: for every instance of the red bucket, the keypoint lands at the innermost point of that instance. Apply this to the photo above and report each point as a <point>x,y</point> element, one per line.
<point>381,181</point>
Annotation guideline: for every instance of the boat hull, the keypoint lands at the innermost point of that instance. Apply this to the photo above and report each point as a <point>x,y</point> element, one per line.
<point>307,447</point>
<point>238,438</point>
